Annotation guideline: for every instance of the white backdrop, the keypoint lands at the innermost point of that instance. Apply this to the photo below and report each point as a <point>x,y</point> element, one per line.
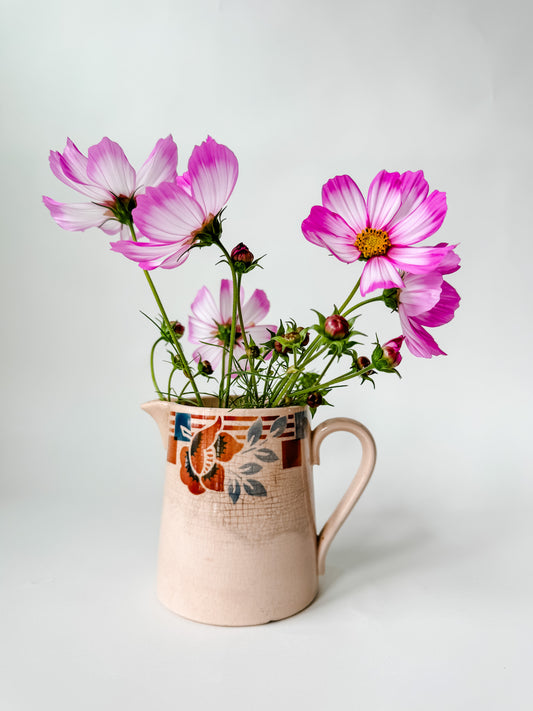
<point>427,598</point>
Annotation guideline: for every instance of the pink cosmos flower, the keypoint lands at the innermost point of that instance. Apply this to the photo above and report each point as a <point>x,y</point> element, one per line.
<point>173,215</point>
<point>382,230</point>
<point>210,324</point>
<point>428,300</point>
<point>107,179</point>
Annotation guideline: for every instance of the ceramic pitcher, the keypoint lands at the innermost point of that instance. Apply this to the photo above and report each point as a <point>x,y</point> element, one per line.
<point>238,542</point>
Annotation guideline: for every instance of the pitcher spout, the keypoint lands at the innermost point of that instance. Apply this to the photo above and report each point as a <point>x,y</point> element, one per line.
<point>159,409</point>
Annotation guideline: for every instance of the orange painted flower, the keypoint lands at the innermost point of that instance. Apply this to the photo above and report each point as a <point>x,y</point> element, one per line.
<point>201,462</point>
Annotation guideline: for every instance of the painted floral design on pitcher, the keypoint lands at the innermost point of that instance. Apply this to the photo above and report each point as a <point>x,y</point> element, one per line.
<point>209,443</point>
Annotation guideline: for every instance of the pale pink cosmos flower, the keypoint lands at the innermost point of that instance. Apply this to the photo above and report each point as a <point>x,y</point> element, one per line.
<point>428,300</point>
<point>172,216</point>
<point>397,214</point>
<point>107,179</point>
<point>210,323</point>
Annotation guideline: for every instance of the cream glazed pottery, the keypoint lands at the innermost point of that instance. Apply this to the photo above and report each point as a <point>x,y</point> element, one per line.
<point>238,542</point>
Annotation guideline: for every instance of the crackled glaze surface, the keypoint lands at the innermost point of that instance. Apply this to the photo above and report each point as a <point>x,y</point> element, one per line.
<point>238,542</point>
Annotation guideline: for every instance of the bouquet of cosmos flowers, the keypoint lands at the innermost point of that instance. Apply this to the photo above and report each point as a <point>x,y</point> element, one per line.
<point>160,217</point>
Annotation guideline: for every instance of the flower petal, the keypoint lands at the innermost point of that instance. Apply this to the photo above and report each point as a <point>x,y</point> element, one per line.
<point>200,330</point>
<point>327,229</point>
<point>341,195</point>
<point>444,310</point>
<point>255,309</point>
<point>420,293</point>
<point>204,307</point>
<point>150,255</point>
<point>414,188</point>
<point>160,166</point>
<point>184,181</point>
<point>78,216</point>
<point>420,223</point>
<point>108,167</point>
<point>212,353</point>
<point>71,168</point>
<point>226,301</point>
<point>379,273</point>
<point>384,199</point>
<point>261,334</point>
<point>167,214</point>
<point>213,170</point>
<point>417,260</point>
<point>451,262</point>
<point>418,340</point>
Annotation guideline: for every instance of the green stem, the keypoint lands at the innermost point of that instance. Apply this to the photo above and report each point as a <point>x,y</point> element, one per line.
<point>170,381</point>
<point>244,336</point>
<point>363,303</point>
<point>152,369</point>
<point>325,370</point>
<point>352,293</point>
<point>335,381</point>
<point>236,313</point>
<point>166,321</point>
<point>222,379</point>
<point>267,377</point>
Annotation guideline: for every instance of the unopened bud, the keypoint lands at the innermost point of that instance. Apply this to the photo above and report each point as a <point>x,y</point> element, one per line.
<point>388,356</point>
<point>306,338</point>
<point>178,328</point>
<point>391,351</point>
<point>314,399</point>
<point>297,337</point>
<point>242,254</point>
<point>279,348</point>
<point>363,362</point>
<point>253,352</point>
<point>336,327</point>
<point>293,337</point>
<point>205,367</point>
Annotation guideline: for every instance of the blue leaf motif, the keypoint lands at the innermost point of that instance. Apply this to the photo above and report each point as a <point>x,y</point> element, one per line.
<point>278,426</point>
<point>255,432</point>
<point>254,488</point>
<point>234,491</point>
<point>266,455</point>
<point>250,468</point>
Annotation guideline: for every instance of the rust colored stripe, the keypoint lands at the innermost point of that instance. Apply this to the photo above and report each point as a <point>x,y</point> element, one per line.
<point>172,448</point>
<point>244,419</point>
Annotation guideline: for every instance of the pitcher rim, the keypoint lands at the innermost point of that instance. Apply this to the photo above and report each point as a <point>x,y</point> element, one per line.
<point>195,408</point>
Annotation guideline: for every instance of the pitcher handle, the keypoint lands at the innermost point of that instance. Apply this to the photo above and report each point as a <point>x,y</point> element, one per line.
<point>357,486</point>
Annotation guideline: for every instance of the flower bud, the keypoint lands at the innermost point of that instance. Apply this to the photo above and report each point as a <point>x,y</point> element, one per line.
<point>362,362</point>
<point>391,351</point>
<point>178,328</point>
<point>296,337</point>
<point>242,254</point>
<point>314,399</point>
<point>279,348</point>
<point>205,367</point>
<point>293,337</point>
<point>306,338</point>
<point>253,352</point>
<point>336,327</point>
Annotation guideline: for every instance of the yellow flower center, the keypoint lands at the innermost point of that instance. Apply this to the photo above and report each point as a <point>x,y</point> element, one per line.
<point>372,243</point>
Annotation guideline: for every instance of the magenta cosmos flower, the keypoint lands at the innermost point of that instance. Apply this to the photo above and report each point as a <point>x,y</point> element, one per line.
<point>210,323</point>
<point>382,230</point>
<point>107,179</point>
<point>173,216</point>
<point>428,300</point>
